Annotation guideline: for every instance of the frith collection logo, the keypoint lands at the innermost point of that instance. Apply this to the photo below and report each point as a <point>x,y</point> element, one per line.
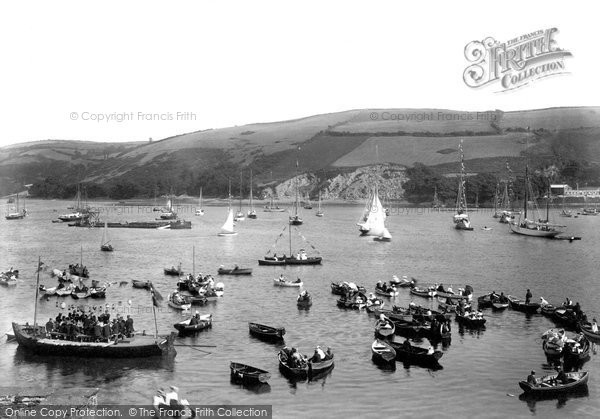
<point>515,63</point>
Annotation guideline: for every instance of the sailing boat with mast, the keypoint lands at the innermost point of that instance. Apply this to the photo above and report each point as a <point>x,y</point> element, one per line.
<point>300,258</point>
<point>168,213</point>
<point>461,218</point>
<point>251,211</point>
<point>319,210</point>
<point>508,213</point>
<point>200,211</point>
<point>373,221</point>
<point>16,213</point>
<point>296,219</point>
<point>105,245</point>
<point>239,215</point>
<point>228,228</point>
<point>80,212</point>
<point>535,227</point>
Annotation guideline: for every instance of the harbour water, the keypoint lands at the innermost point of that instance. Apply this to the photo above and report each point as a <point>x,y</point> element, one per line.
<point>480,371</point>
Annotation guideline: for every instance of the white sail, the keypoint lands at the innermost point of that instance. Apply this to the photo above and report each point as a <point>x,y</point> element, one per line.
<point>228,226</point>
<point>375,223</point>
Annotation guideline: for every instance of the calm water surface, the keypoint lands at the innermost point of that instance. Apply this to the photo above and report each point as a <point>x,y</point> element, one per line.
<point>480,369</point>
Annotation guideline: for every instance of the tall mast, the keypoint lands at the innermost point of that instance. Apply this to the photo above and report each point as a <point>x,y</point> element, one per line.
<point>250,188</point>
<point>240,190</point>
<point>37,292</point>
<point>548,205</point>
<point>81,255</point>
<point>290,234</point>
<point>526,189</point>
<point>296,203</point>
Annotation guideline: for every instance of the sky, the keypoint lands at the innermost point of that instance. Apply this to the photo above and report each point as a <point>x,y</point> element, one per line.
<point>166,68</point>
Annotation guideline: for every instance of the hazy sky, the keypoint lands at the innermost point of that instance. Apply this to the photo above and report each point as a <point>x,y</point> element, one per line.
<point>233,63</point>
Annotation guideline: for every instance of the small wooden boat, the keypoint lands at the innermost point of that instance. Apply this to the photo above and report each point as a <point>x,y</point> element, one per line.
<point>388,292</point>
<point>268,333</point>
<point>586,329</point>
<point>80,294</point>
<point>470,320</point>
<point>247,374</point>
<point>574,354</point>
<point>498,305</point>
<point>403,282</point>
<point>7,281</point>
<point>308,369</point>
<point>453,296</point>
<point>203,322</point>
<point>416,355</point>
<point>195,300</point>
<point>136,283</point>
<point>356,301</point>
<point>547,310</point>
<point>285,283</point>
<point>341,288</point>
<point>11,272</point>
<point>382,353</point>
<point>304,300</point>
<point>235,271</point>
<point>384,329</point>
<point>173,271</point>
<point>423,292</point>
<point>547,385</point>
<point>271,261</point>
<point>176,301</point>
<point>519,305</point>
<point>565,317</point>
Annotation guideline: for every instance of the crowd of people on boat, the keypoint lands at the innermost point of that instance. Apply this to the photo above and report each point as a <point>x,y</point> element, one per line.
<point>294,359</point>
<point>384,287</point>
<point>304,296</point>
<point>81,326</point>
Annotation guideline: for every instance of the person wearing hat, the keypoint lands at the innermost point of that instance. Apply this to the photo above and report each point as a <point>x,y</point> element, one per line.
<point>561,377</point>
<point>594,326</point>
<point>531,379</point>
<point>194,319</point>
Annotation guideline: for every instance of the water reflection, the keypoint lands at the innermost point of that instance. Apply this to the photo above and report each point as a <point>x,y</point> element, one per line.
<point>561,399</point>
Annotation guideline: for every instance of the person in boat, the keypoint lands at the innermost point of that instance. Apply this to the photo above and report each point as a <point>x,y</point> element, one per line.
<point>319,355</point>
<point>159,399</point>
<point>298,281</point>
<point>528,296</point>
<point>440,288</point>
<point>494,296</point>
<point>430,350</point>
<point>594,326</point>
<point>503,298</point>
<point>50,326</point>
<point>407,346</point>
<point>568,302</point>
<point>561,377</point>
<point>172,397</point>
<point>296,358</point>
<point>531,378</point>
<point>235,268</point>
<point>543,302</point>
<point>194,319</point>
<point>281,278</point>
<point>129,330</point>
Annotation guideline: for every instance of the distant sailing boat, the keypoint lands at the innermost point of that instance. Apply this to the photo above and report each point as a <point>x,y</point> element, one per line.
<point>80,212</point>
<point>319,210</point>
<point>168,213</point>
<point>436,200</point>
<point>534,227</point>
<point>251,211</point>
<point>508,213</point>
<point>296,219</point>
<point>228,227</point>
<point>239,215</point>
<point>105,245</point>
<point>374,220</point>
<point>461,218</point>
<point>200,211</point>
<point>16,213</point>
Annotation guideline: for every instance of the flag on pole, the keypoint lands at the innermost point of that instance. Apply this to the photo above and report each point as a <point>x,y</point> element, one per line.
<point>156,297</point>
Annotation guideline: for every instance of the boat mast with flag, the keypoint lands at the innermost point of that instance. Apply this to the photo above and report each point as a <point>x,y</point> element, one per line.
<point>461,218</point>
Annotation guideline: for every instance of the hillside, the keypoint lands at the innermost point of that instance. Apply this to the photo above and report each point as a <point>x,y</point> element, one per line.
<point>326,145</point>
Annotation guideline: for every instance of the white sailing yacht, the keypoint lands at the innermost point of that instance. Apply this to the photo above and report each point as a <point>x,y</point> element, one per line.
<point>79,212</point>
<point>168,213</point>
<point>319,212</point>
<point>461,218</point>
<point>200,211</point>
<point>239,215</point>
<point>228,228</point>
<point>251,211</point>
<point>373,223</point>
<point>105,245</point>
<point>534,227</point>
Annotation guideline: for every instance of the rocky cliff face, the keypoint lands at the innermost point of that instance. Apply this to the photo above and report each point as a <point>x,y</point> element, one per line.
<point>354,185</point>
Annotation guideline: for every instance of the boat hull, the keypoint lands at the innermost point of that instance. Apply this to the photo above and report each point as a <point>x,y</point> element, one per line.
<point>549,234</point>
<point>580,380</point>
<point>267,333</point>
<point>136,347</point>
